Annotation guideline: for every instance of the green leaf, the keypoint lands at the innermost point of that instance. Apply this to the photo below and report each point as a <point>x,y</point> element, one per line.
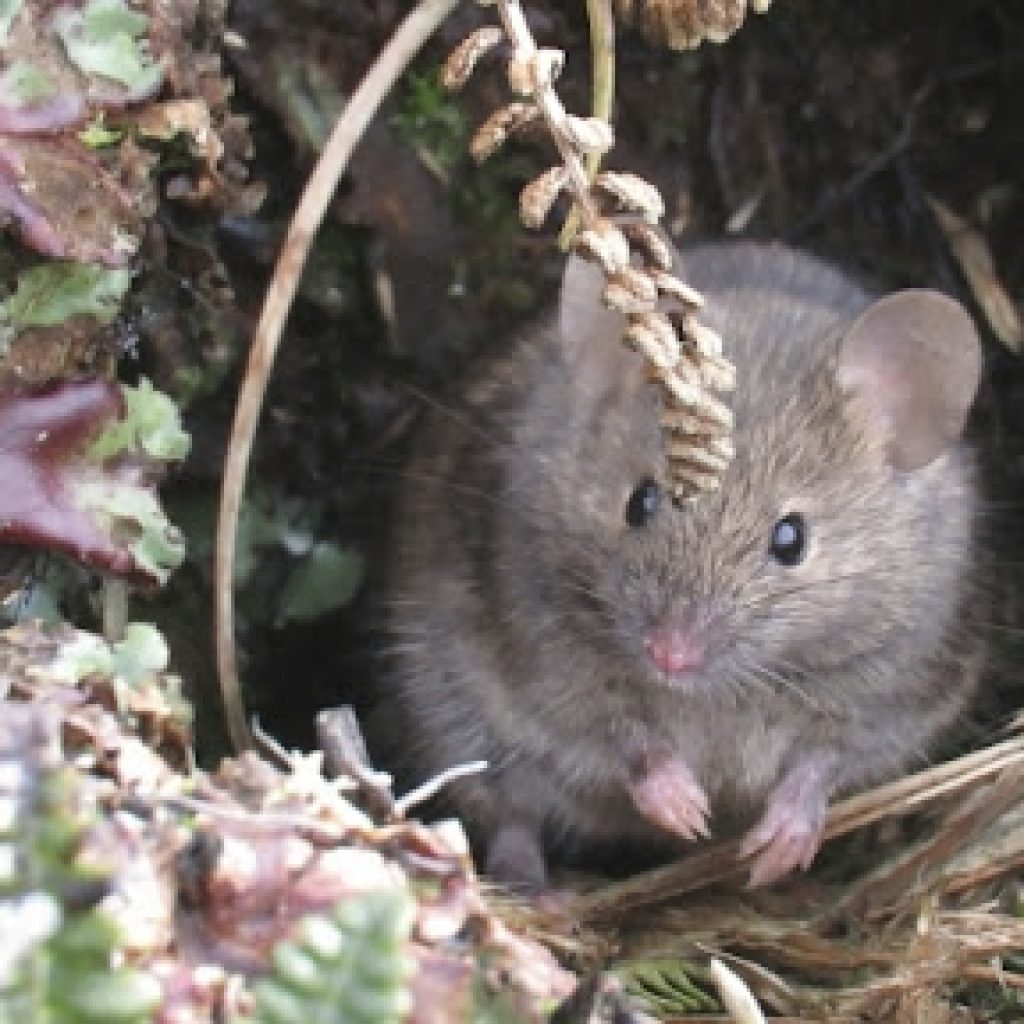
<point>109,995</point>
<point>325,579</point>
<point>96,134</point>
<point>51,293</point>
<point>126,509</point>
<point>667,987</point>
<point>25,83</point>
<point>85,655</point>
<point>8,12</point>
<point>349,969</point>
<point>107,38</point>
<point>141,653</point>
<point>151,424</point>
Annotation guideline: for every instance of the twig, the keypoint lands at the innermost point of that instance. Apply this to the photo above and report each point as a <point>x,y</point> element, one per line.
<point>418,26</point>
<point>682,355</point>
<point>423,793</point>
<point>720,861</point>
<point>115,609</point>
<point>602,61</point>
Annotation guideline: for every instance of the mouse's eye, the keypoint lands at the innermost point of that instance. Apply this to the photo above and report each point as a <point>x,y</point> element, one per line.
<point>789,540</point>
<point>643,503</point>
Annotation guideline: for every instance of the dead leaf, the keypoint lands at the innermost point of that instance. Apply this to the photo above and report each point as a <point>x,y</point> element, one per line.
<point>972,253</point>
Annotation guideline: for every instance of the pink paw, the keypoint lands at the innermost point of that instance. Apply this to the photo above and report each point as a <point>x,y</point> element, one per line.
<point>789,834</point>
<point>665,792</point>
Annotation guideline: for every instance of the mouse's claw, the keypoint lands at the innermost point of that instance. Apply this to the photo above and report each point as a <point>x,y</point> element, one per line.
<point>790,833</point>
<point>666,794</point>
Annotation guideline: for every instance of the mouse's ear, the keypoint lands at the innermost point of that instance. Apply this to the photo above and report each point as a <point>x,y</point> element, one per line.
<point>913,361</point>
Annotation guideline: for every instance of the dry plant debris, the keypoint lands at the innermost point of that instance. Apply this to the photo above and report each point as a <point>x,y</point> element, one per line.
<point>205,883</point>
<point>80,464</point>
<point>897,929</point>
<point>78,86</point>
<point>971,251</point>
<point>683,356</point>
<point>685,24</point>
<point>213,880</point>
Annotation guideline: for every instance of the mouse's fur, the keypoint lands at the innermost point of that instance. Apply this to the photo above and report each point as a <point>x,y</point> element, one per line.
<point>521,598</point>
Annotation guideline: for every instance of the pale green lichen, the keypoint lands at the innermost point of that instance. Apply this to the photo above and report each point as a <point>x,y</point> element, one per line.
<point>108,38</point>
<point>151,424</point>
<point>324,580</point>
<point>134,517</point>
<point>26,84</point>
<point>59,961</point>
<point>8,12</point>
<point>350,968</point>
<point>51,293</point>
<point>96,135</point>
<point>127,510</point>
<point>141,654</point>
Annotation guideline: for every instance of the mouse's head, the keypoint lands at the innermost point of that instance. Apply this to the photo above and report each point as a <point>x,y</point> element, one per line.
<point>840,531</point>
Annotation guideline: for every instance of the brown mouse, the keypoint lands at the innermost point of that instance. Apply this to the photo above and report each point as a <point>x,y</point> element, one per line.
<point>638,672</point>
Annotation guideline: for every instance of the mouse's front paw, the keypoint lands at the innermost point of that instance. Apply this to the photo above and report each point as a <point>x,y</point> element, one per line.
<point>665,792</point>
<point>790,832</point>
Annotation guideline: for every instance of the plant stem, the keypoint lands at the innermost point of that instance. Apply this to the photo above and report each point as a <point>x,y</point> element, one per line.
<point>602,93</point>
<point>419,24</point>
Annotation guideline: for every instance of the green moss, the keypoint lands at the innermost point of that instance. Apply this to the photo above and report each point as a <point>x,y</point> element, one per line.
<point>431,121</point>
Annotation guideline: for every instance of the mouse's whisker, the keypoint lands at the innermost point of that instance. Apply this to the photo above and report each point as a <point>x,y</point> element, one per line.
<point>462,419</point>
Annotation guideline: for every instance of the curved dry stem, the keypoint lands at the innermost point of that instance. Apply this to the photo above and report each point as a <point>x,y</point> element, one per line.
<point>418,26</point>
<point>602,90</point>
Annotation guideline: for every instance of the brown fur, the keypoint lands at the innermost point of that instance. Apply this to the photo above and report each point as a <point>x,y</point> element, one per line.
<point>521,597</point>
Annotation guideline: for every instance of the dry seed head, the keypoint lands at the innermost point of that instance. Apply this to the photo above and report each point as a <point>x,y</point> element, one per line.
<point>670,285</point>
<point>520,77</point>
<point>491,135</point>
<point>684,24</point>
<point>681,354</point>
<point>702,405</point>
<point>633,193</point>
<point>650,331</point>
<point>648,239</point>
<point>630,291</point>
<point>539,195</point>
<point>464,58</point>
<point>649,346</point>
<point>680,391</point>
<point>717,373</point>
<point>529,74</point>
<point>695,451</point>
<point>719,446</point>
<point>689,368</point>
<point>722,445</point>
<point>707,342</point>
<point>689,480</point>
<point>588,134</point>
<point>677,420</point>
<point>604,243</point>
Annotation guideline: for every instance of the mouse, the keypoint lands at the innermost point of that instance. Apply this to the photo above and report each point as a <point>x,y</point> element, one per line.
<point>640,673</point>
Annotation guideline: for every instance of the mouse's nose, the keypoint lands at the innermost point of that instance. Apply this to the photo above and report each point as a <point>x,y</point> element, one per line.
<point>676,645</point>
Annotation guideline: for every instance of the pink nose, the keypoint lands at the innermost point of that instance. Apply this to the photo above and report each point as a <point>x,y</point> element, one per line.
<point>675,647</point>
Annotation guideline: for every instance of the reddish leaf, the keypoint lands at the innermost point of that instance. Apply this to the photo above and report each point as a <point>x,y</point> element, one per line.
<point>43,438</point>
<point>64,202</point>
